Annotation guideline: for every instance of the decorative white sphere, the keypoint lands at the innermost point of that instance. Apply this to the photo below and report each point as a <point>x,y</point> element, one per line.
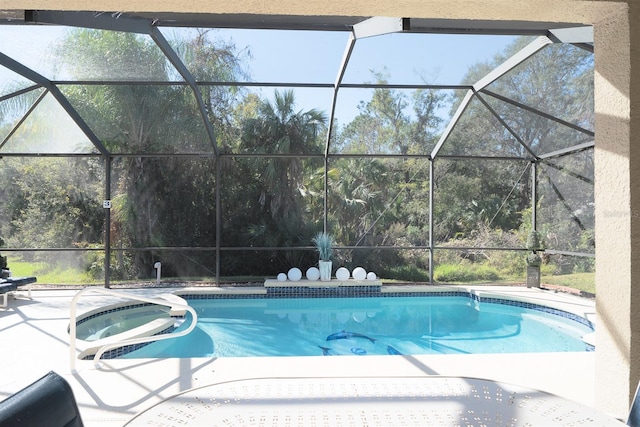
<point>342,273</point>
<point>371,276</point>
<point>313,273</point>
<point>294,274</point>
<point>359,273</point>
<point>282,277</point>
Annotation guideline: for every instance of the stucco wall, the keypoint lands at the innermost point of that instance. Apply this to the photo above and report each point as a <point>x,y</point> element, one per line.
<point>617,220</point>
<point>532,10</point>
<point>617,102</point>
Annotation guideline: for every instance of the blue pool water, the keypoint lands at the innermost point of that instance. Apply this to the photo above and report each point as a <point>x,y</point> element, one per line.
<point>106,325</point>
<point>367,326</point>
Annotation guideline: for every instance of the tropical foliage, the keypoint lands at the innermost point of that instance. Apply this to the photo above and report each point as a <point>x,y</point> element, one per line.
<point>271,169</point>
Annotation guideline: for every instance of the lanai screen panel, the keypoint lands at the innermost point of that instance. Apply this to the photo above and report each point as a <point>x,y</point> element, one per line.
<point>142,119</point>
<point>259,55</point>
<point>11,82</point>
<point>48,129</point>
<point>480,133</point>
<point>35,47</point>
<point>475,197</point>
<point>273,121</point>
<point>52,202</point>
<point>274,203</point>
<point>271,201</point>
<point>379,202</point>
<point>555,81</point>
<point>418,59</point>
<point>238,70</point>
<point>566,209</point>
<point>163,201</point>
<point>541,134</point>
<point>388,121</point>
<point>261,100</point>
<point>89,54</point>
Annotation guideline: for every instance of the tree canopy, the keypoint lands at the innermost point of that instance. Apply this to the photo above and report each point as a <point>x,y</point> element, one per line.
<point>271,166</point>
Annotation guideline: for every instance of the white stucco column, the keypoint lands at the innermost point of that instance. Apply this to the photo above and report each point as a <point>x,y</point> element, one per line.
<point>617,198</point>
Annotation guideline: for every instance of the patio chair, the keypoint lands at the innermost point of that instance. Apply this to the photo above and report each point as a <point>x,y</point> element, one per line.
<point>10,285</point>
<point>48,402</point>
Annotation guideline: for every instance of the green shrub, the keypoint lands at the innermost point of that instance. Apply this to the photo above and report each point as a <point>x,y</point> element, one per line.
<point>485,272</point>
<point>451,273</point>
<point>406,272</point>
<point>548,269</point>
<point>464,273</point>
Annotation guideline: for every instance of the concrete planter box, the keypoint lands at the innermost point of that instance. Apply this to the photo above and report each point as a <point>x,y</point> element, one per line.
<point>533,276</point>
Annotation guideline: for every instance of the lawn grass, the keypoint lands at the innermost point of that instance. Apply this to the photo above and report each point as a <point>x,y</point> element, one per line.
<point>45,274</point>
<point>73,276</point>
<point>582,281</point>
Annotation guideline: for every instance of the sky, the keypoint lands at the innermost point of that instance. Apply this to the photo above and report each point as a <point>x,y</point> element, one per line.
<point>306,57</point>
<point>443,59</point>
<point>315,57</point>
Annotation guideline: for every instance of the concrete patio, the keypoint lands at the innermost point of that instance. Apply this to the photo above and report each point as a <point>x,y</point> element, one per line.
<point>35,341</point>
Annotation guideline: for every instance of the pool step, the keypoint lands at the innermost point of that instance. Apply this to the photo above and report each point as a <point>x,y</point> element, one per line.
<point>148,329</point>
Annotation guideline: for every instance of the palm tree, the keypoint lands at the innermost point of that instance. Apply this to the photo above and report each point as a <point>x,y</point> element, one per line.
<point>279,129</point>
<point>150,204</point>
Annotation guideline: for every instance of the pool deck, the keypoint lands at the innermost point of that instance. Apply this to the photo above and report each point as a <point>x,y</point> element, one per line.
<point>34,340</point>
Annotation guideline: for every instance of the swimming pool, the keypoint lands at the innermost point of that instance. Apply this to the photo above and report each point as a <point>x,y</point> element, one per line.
<point>118,328</point>
<point>375,325</point>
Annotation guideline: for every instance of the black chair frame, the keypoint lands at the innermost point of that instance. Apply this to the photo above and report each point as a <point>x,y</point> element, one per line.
<point>48,402</point>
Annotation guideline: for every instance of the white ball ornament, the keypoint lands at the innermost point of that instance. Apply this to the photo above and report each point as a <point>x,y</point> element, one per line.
<point>359,273</point>
<point>371,276</point>
<point>294,274</point>
<point>282,277</point>
<point>313,273</point>
<point>342,273</point>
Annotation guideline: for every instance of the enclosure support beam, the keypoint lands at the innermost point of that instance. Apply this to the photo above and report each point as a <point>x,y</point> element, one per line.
<point>452,123</point>
<point>117,22</point>
<point>569,150</point>
<point>511,63</point>
<point>97,20</point>
<point>336,87</point>
<point>492,76</point>
<point>431,198</point>
<point>175,60</point>
<point>218,217</point>
<point>28,73</point>
<point>380,25</point>
<point>581,35</point>
<point>534,195</point>
<point>325,204</point>
<point>538,112</point>
<point>506,126</point>
<point>107,221</point>
<point>23,118</point>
